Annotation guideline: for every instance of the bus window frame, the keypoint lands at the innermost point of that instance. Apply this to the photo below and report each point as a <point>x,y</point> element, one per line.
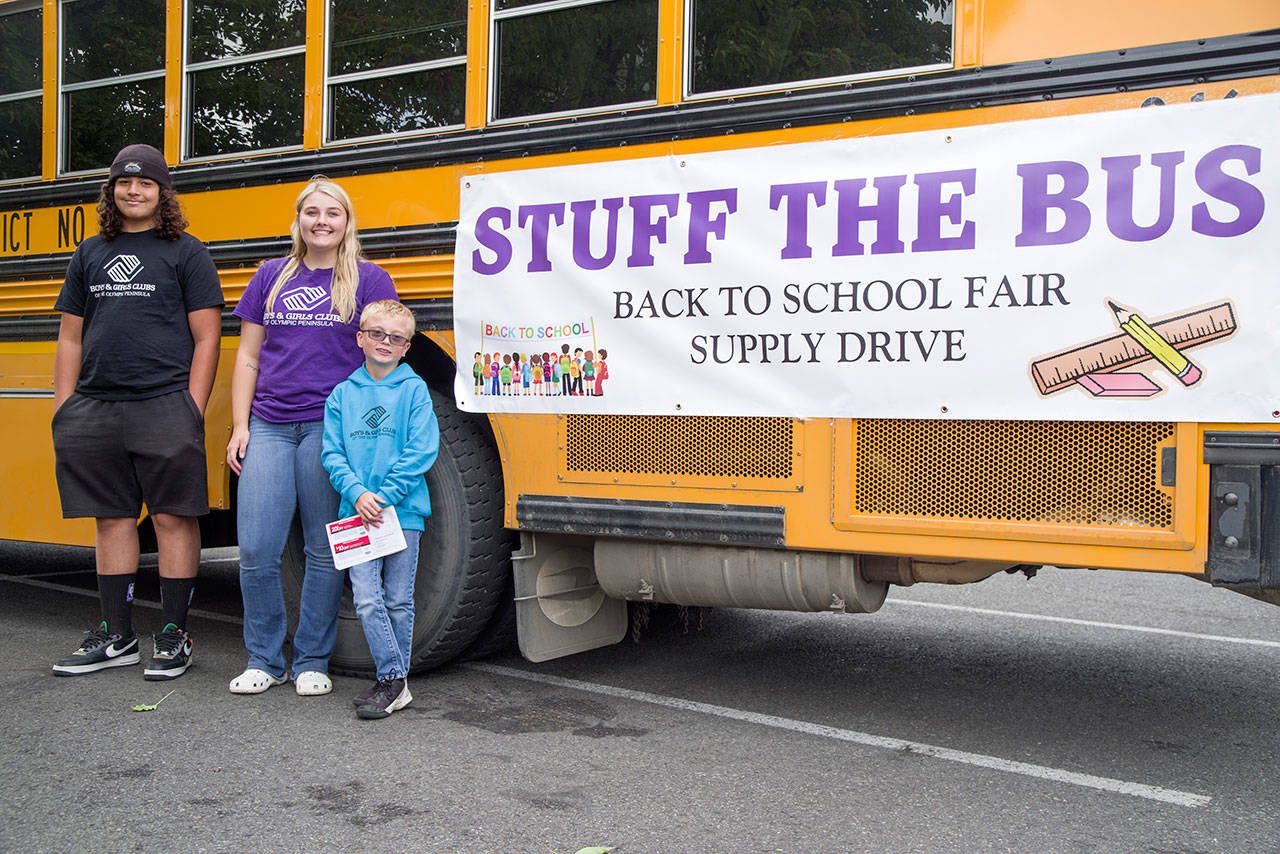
<point>15,8</point>
<point>189,68</point>
<point>331,80</point>
<point>540,7</point>
<point>687,93</point>
<point>64,169</point>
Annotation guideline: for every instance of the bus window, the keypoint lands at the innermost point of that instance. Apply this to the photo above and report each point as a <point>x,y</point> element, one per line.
<point>395,66</point>
<point>112,78</point>
<point>737,46</point>
<point>565,57</point>
<point>20,92</point>
<point>244,75</point>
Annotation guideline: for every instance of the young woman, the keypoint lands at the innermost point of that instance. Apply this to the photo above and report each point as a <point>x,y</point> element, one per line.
<point>298,321</point>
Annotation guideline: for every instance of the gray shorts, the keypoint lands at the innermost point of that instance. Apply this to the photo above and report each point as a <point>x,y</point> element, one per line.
<point>112,455</point>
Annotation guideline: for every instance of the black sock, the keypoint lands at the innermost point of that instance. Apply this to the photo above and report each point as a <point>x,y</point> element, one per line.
<point>175,598</point>
<point>116,595</point>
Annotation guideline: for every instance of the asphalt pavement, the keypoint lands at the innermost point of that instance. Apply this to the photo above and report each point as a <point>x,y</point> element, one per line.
<point>1075,712</point>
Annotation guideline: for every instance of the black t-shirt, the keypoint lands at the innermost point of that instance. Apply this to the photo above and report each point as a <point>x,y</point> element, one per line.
<point>134,292</point>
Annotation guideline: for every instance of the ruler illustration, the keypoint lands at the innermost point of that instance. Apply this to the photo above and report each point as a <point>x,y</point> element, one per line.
<point>1054,372</point>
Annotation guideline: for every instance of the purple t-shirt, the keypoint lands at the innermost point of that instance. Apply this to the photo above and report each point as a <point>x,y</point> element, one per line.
<point>308,349</point>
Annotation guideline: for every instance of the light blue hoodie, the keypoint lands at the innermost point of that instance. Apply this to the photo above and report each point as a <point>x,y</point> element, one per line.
<point>381,436</point>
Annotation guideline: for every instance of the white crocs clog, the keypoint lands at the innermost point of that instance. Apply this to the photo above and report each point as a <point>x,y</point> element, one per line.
<point>312,683</point>
<point>254,681</point>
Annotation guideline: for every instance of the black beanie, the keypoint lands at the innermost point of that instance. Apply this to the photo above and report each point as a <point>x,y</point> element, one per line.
<point>140,161</point>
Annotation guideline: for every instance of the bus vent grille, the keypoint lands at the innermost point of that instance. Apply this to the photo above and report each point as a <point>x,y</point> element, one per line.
<point>687,445</point>
<point>1052,472</point>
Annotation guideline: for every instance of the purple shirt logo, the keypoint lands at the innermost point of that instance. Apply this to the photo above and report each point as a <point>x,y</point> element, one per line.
<point>304,299</point>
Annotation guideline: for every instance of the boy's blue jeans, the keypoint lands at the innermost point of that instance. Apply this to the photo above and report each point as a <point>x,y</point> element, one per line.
<point>383,591</point>
<point>282,473</point>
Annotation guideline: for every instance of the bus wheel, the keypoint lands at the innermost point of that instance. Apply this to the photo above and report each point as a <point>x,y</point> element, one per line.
<point>500,635</point>
<point>464,559</point>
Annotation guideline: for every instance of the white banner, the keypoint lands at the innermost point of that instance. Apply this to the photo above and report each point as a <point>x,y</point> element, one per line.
<point>1121,265</point>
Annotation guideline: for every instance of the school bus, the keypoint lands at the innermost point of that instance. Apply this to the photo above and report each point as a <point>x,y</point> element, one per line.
<point>1117,444</point>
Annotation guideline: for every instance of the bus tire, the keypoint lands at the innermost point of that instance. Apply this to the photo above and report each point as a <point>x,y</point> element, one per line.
<point>464,558</point>
<point>499,637</point>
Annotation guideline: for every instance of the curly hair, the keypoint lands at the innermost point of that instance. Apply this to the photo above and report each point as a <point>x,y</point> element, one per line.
<point>170,220</point>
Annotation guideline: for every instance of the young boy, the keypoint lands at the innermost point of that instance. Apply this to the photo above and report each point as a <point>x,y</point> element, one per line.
<point>137,350</point>
<point>380,437</point>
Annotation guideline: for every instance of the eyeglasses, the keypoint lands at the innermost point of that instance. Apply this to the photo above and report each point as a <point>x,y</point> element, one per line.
<point>378,335</point>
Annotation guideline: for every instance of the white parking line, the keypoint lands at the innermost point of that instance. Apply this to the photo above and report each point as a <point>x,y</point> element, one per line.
<point>1058,775</point>
<point>1090,623</point>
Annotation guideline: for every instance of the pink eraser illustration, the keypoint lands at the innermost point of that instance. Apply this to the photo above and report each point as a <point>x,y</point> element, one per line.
<point>1191,375</point>
<point>1119,385</point>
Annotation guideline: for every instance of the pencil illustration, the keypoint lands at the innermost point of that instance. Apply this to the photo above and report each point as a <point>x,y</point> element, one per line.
<point>1103,366</point>
<point>1154,343</point>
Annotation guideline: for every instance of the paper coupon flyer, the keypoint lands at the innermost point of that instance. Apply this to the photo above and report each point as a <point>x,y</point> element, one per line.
<point>350,542</point>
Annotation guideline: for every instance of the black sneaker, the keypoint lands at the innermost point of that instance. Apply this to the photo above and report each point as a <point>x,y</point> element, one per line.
<point>99,651</point>
<point>387,697</point>
<point>172,654</point>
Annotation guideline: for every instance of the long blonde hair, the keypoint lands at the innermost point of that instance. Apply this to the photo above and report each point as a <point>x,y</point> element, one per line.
<point>346,272</point>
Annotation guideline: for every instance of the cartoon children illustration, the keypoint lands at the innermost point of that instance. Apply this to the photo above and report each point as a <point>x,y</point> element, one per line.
<point>602,370</point>
<point>494,371</point>
<point>589,372</point>
<point>565,380</point>
<point>526,374</point>
<point>551,373</point>
<point>478,371</point>
<point>575,372</point>
<point>505,373</point>
<point>537,374</point>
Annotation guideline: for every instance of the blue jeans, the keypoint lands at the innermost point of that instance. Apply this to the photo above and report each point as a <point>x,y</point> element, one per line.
<point>383,590</point>
<point>282,473</point>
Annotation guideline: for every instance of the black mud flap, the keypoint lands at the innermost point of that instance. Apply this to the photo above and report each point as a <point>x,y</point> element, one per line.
<point>1244,513</point>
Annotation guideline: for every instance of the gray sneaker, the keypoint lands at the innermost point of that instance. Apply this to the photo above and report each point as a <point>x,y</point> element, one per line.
<point>363,697</point>
<point>388,696</point>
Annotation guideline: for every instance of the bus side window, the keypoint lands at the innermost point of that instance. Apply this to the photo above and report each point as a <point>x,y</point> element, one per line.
<point>20,92</point>
<point>112,79</point>
<point>735,46</point>
<point>609,56</point>
<point>396,66</point>
<point>244,76</point>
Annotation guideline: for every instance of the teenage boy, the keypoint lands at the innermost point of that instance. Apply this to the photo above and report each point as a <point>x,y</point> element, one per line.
<point>380,438</point>
<point>137,351</point>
